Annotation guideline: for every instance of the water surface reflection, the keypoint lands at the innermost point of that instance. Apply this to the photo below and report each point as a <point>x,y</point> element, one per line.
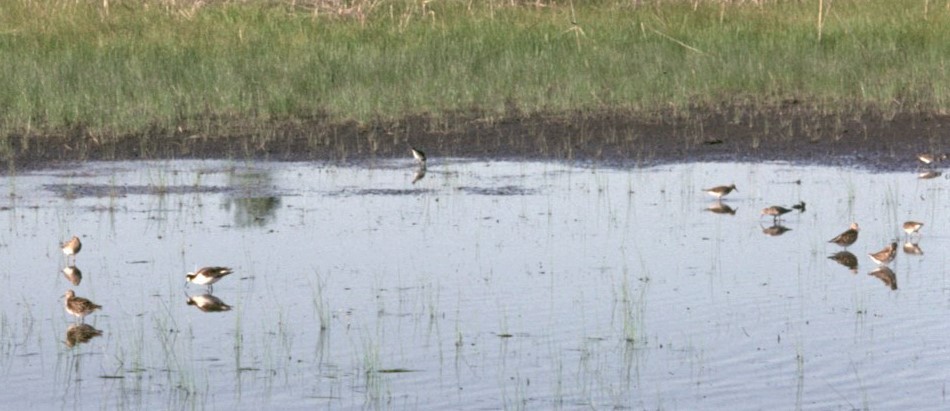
<point>208,303</point>
<point>473,285</point>
<point>80,333</point>
<point>72,274</point>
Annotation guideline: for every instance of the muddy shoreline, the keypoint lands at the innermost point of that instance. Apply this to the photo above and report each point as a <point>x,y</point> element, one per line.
<point>875,139</point>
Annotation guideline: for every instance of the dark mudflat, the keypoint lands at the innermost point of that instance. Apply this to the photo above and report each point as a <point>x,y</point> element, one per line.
<point>878,140</point>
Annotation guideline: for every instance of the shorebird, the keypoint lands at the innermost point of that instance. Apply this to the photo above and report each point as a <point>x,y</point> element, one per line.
<point>846,259</point>
<point>848,237</point>
<point>208,276</point>
<point>928,158</point>
<point>419,155</point>
<point>886,255</point>
<point>73,274</point>
<point>911,227</point>
<point>78,306</point>
<point>775,211</point>
<point>208,303</point>
<point>71,247</point>
<point>926,175</point>
<point>720,191</point>
<point>886,275</point>
<point>80,333</point>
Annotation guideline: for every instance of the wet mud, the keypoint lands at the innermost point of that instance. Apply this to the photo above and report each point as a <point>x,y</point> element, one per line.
<point>877,139</point>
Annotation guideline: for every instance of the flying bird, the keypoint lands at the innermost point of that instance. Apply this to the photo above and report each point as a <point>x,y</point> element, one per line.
<point>419,155</point>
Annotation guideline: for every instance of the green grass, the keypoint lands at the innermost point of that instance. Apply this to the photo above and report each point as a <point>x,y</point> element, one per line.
<point>139,64</point>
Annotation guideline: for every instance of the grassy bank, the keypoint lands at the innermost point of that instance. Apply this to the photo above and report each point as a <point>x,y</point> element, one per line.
<point>123,66</point>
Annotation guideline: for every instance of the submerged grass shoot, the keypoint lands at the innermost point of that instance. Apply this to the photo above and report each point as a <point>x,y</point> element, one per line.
<point>321,304</point>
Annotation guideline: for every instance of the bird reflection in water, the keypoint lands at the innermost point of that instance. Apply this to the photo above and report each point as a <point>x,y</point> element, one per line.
<point>886,275</point>
<point>208,303</point>
<point>73,274</point>
<point>775,230</point>
<point>80,333</point>
<point>721,208</point>
<point>847,259</point>
<point>420,173</point>
<point>912,248</point>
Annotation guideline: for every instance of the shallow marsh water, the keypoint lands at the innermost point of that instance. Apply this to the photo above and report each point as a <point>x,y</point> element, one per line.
<point>483,285</point>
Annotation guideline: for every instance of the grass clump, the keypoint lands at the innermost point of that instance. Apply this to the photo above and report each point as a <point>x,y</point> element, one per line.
<point>124,66</point>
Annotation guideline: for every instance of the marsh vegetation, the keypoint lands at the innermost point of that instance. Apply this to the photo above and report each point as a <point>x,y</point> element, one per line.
<point>349,77</point>
<point>373,280</point>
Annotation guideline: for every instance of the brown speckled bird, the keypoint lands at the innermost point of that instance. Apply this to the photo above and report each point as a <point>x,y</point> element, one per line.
<point>848,237</point>
<point>775,211</point>
<point>886,255</point>
<point>911,227</point>
<point>721,191</point>
<point>78,306</point>
<point>71,247</point>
